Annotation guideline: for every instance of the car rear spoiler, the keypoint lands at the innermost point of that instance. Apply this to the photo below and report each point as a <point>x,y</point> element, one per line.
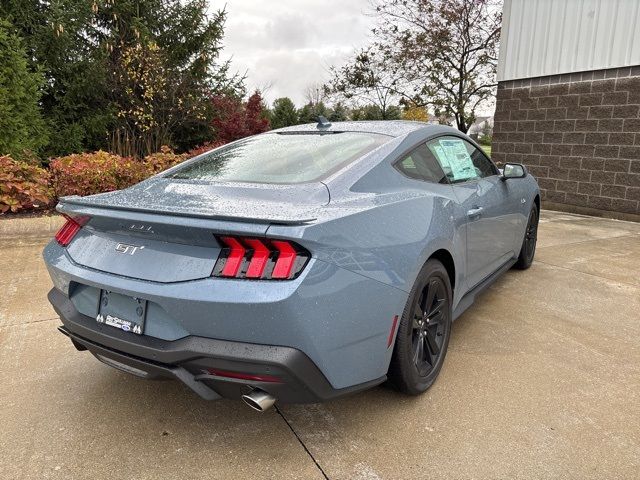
<point>76,205</point>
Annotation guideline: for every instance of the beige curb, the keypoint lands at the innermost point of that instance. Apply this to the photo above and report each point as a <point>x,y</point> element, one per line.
<point>23,227</point>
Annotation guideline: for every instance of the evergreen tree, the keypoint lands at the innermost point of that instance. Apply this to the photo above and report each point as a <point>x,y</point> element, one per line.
<point>21,126</point>
<point>338,113</point>
<point>311,111</point>
<point>183,40</point>
<point>284,113</point>
<point>374,112</point>
<point>60,39</point>
<point>93,55</point>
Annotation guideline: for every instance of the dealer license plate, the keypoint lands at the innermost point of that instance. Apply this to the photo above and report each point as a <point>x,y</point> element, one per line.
<point>122,312</point>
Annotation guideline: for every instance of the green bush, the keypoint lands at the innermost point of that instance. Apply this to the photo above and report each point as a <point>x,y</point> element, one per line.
<point>485,139</point>
<point>90,173</point>
<point>22,186</point>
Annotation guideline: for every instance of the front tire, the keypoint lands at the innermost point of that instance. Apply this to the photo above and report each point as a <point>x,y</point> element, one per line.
<point>528,249</point>
<point>424,331</point>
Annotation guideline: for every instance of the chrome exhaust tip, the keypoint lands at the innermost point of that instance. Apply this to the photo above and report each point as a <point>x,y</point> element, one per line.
<point>259,400</point>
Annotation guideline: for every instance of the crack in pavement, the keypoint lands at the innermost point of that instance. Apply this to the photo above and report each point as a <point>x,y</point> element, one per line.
<point>301,442</point>
<point>29,323</point>
<point>587,273</point>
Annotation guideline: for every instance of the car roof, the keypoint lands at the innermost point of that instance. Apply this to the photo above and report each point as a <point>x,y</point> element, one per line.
<point>393,128</point>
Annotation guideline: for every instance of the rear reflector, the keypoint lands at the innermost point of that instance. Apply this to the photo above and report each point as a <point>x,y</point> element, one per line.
<point>392,332</point>
<point>243,376</point>
<point>69,230</point>
<point>260,259</point>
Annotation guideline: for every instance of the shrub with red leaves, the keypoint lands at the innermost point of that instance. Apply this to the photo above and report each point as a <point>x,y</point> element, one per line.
<point>27,187</point>
<point>235,119</point>
<point>255,118</point>
<point>22,186</point>
<point>89,173</point>
<point>204,148</point>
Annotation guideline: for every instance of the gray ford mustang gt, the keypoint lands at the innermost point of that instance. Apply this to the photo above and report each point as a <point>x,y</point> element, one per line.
<point>297,265</point>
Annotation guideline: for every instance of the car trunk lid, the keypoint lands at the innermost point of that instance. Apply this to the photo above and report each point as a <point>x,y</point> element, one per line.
<point>273,203</point>
<point>166,232</point>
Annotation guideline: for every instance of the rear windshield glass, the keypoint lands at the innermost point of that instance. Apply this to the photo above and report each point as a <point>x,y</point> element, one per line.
<point>281,158</point>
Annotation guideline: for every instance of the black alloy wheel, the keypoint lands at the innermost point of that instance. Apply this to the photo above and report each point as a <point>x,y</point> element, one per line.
<point>423,332</point>
<point>429,323</point>
<point>528,250</point>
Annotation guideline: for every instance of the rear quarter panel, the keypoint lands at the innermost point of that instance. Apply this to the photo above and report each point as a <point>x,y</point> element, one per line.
<point>386,245</point>
<point>386,235</point>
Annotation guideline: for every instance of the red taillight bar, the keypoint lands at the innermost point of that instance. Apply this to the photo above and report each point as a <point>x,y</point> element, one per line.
<point>235,257</point>
<point>259,259</point>
<point>69,230</point>
<point>286,259</point>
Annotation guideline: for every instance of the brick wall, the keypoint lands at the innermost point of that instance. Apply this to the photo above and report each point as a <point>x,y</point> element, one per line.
<point>578,134</point>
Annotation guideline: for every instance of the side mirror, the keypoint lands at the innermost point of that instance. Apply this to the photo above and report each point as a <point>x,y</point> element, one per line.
<point>513,170</point>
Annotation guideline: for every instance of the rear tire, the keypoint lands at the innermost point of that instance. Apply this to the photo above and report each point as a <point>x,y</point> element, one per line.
<point>528,249</point>
<point>424,331</point>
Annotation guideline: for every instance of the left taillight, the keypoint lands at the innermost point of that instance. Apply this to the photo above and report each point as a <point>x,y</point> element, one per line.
<point>70,228</point>
<point>259,259</point>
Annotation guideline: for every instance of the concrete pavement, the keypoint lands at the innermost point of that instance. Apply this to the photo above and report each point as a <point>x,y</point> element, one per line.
<point>542,380</point>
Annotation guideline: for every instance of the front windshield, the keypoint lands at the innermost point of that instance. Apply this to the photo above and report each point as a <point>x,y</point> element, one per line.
<point>281,157</point>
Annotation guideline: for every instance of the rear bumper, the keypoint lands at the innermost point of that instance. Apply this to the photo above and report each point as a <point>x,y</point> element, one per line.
<point>190,359</point>
<point>339,319</point>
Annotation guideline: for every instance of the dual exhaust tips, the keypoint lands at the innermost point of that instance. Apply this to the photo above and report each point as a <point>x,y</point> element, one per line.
<point>259,400</point>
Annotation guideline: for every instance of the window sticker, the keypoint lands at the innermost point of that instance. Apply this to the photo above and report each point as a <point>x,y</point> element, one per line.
<point>455,159</point>
<point>442,158</point>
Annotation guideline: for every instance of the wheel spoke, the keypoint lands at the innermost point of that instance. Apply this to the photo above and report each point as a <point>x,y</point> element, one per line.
<point>422,303</point>
<point>418,355</point>
<point>437,309</point>
<point>417,317</point>
<point>434,320</point>
<point>432,345</point>
<point>431,294</point>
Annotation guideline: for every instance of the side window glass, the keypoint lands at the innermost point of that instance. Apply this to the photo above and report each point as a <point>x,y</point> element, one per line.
<point>481,162</point>
<point>422,165</point>
<point>460,160</point>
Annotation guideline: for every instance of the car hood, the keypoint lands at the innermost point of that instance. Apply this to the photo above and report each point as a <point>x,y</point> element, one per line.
<point>287,204</point>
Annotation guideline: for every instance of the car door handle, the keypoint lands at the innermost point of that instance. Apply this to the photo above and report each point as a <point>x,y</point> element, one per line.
<point>474,212</point>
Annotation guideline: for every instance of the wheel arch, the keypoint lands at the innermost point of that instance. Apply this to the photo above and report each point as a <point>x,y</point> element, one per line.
<point>536,200</point>
<point>445,257</point>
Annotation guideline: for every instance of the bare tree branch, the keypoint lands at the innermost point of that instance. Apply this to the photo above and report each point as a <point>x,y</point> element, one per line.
<point>445,49</point>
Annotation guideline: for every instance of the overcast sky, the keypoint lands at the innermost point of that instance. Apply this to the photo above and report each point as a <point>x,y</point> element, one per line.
<point>289,44</point>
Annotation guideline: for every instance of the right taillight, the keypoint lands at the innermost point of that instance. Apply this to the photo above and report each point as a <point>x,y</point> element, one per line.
<point>69,230</point>
<point>259,258</point>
